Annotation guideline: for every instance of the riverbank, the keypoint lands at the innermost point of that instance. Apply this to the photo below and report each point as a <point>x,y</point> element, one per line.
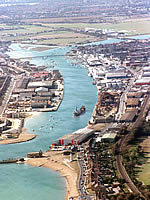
<point>56,161</point>
<point>23,137</point>
<point>69,174</point>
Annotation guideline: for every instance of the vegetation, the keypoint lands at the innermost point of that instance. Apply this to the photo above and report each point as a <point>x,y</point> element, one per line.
<point>129,196</point>
<point>138,133</point>
<point>134,27</point>
<point>133,156</point>
<point>59,33</point>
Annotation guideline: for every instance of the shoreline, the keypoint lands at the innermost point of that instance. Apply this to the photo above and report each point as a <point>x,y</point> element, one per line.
<point>23,137</point>
<point>53,46</point>
<point>56,161</point>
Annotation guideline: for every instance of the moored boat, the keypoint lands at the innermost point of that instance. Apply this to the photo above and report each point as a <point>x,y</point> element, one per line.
<point>79,112</point>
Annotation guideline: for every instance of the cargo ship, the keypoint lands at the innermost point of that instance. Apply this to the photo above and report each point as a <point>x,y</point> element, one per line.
<point>79,112</point>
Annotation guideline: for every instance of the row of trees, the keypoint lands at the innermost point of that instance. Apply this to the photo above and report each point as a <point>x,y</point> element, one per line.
<point>133,156</point>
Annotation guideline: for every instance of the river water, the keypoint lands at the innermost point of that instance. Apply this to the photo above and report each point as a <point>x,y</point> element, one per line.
<point>24,182</point>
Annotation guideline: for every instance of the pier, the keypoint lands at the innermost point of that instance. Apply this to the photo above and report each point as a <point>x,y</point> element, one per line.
<point>12,160</point>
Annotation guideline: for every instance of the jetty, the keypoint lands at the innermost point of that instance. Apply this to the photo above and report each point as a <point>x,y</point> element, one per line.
<point>11,160</point>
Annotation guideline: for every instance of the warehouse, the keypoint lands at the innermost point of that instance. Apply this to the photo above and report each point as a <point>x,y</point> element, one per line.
<point>41,89</point>
<point>46,94</point>
<point>23,83</point>
<point>146,74</point>
<point>75,138</point>
<point>134,95</point>
<point>39,104</point>
<point>146,69</point>
<point>129,117</point>
<point>18,90</point>
<point>132,102</point>
<point>116,75</point>
<point>37,84</point>
<point>38,98</point>
<point>143,81</point>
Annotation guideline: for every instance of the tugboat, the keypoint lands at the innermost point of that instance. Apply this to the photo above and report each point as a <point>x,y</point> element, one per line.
<point>79,112</point>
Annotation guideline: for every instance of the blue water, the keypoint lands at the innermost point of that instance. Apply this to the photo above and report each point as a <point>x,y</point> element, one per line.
<point>23,182</point>
<point>140,37</point>
<point>108,41</point>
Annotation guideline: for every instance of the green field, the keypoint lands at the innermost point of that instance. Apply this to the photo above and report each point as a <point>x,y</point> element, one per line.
<point>45,34</point>
<point>134,27</point>
<point>143,174</point>
<point>64,41</point>
<point>59,34</point>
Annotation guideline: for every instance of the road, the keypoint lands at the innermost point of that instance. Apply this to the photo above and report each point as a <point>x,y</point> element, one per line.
<point>82,190</point>
<point>7,96</point>
<point>121,110</point>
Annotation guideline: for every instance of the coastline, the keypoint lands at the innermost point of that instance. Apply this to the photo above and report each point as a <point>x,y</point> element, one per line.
<point>56,161</point>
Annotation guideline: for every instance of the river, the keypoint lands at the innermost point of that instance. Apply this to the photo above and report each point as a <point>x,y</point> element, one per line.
<point>24,182</point>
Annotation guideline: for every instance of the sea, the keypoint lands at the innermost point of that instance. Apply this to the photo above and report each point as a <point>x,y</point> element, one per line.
<point>25,182</point>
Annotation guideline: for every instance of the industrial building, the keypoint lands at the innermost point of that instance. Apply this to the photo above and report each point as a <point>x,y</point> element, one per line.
<point>38,84</point>
<point>134,95</point>
<point>132,102</point>
<point>146,69</point>
<point>129,116</point>
<point>143,81</point>
<point>117,75</point>
<point>146,74</point>
<point>75,138</point>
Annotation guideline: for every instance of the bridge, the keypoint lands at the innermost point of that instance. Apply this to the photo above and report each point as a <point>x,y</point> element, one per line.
<point>45,57</point>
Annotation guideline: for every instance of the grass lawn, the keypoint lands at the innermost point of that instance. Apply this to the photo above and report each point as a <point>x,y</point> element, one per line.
<point>52,33</point>
<point>27,29</point>
<point>144,172</point>
<point>134,27</point>
<point>63,41</point>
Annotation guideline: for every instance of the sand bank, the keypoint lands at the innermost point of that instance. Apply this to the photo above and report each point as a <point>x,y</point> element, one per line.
<point>56,161</point>
<point>23,137</point>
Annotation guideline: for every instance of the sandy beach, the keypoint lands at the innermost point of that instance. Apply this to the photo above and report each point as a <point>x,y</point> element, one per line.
<point>56,161</point>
